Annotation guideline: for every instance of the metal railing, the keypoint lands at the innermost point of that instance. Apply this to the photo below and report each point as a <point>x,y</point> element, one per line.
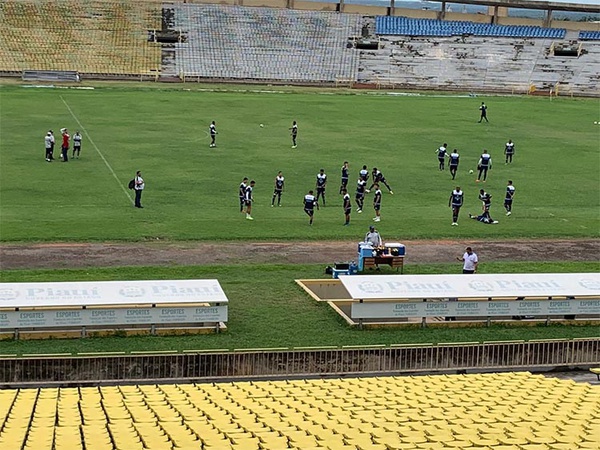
<point>289,363</point>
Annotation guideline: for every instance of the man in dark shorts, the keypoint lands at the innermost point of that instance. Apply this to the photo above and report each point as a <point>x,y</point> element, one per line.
<point>294,133</point>
<point>453,163</point>
<point>483,110</point>
<point>441,154</point>
<point>347,205</point>
<point>345,177</point>
<point>361,186</point>
<point>509,151</point>
<point>508,198</point>
<point>455,202</point>
<point>213,134</point>
<point>242,193</point>
<point>321,185</point>
<point>279,183</point>
<point>378,178</point>
<point>310,202</point>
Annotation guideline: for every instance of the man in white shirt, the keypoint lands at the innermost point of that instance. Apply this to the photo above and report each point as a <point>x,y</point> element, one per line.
<point>138,187</point>
<point>373,237</point>
<point>470,261</point>
<point>49,143</point>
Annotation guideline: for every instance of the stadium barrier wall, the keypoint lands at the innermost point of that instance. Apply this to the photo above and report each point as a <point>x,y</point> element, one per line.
<point>305,362</point>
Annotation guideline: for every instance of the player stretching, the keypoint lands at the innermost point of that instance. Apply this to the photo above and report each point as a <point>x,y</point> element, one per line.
<point>377,203</point>
<point>361,186</point>
<point>508,199</point>
<point>347,206</point>
<point>309,205</point>
<point>441,154</point>
<point>454,159</point>
<point>377,179</point>
<point>345,176</point>
<point>485,163</point>
<point>509,151</point>
<point>455,202</point>
<point>321,184</point>
<point>279,182</point>
<point>294,133</point>
<point>213,134</point>
<point>248,199</point>
<point>242,193</point>
<point>486,199</point>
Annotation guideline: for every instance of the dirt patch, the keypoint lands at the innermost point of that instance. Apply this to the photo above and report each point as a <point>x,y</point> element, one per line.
<point>80,255</point>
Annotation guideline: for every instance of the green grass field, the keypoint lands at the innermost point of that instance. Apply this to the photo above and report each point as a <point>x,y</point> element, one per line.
<point>263,298</point>
<point>191,190</point>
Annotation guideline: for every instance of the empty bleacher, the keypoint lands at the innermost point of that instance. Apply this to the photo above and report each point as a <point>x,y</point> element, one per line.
<point>233,42</point>
<point>89,36</point>
<point>478,64</point>
<point>506,411</point>
<point>386,25</point>
<point>589,35</point>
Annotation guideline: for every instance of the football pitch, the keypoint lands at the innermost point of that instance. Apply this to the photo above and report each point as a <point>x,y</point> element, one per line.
<point>192,190</point>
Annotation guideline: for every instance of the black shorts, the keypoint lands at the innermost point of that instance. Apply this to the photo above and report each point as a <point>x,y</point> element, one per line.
<point>453,166</point>
<point>320,189</point>
<point>508,201</point>
<point>377,206</point>
<point>347,211</point>
<point>310,212</point>
<point>277,191</point>
<point>248,202</point>
<point>360,196</point>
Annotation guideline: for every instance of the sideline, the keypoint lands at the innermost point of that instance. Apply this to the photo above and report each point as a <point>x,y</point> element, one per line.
<point>98,151</point>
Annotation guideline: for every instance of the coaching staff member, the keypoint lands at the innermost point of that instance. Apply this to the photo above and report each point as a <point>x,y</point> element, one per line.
<point>138,187</point>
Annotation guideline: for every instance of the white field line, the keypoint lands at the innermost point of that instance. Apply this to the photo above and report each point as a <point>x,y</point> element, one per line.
<point>98,151</point>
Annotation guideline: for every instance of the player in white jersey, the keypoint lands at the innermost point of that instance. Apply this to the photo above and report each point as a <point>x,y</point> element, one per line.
<point>49,144</point>
<point>377,203</point>
<point>76,144</point>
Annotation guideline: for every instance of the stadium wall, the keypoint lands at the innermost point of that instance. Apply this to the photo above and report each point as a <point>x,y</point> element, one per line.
<point>53,370</point>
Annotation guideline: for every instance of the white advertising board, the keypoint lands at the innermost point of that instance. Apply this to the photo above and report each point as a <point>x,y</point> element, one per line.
<point>388,310</point>
<point>364,287</point>
<point>108,293</point>
<point>112,317</point>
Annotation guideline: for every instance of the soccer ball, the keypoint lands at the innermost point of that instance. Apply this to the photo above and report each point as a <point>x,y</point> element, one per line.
<point>261,125</point>
<point>471,171</point>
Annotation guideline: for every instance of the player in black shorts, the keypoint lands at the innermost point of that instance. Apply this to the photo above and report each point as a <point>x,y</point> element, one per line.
<point>347,205</point>
<point>321,185</point>
<point>294,133</point>
<point>361,186</point>
<point>310,202</point>
<point>378,178</point>
<point>441,154</point>
<point>345,176</point>
<point>509,151</point>
<point>279,183</point>
<point>453,163</point>
<point>242,193</point>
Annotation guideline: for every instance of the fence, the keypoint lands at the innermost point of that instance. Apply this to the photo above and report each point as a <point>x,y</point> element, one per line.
<point>287,363</point>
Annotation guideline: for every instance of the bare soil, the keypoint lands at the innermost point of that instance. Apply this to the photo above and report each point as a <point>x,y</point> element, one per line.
<point>75,255</point>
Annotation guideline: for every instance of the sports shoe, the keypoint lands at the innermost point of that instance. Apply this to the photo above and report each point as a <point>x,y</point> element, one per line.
<point>391,192</point>
<point>471,216</point>
<point>508,213</point>
<point>294,146</point>
<point>495,221</point>
<point>272,206</point>
<point>454,224</point>
<point>477,181</point>
<point>249,218</point>
<point>359,211</point>
<point>367,190</point>
<point>346,224</point>
<point>377,219</point>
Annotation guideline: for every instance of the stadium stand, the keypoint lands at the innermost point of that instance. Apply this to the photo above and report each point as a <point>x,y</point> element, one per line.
<point>589,35</point>
<point>233,42</point>
<point>385,25</point>
<point>92,36</point>
<point>505,410</point>
<point>478,64</point>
